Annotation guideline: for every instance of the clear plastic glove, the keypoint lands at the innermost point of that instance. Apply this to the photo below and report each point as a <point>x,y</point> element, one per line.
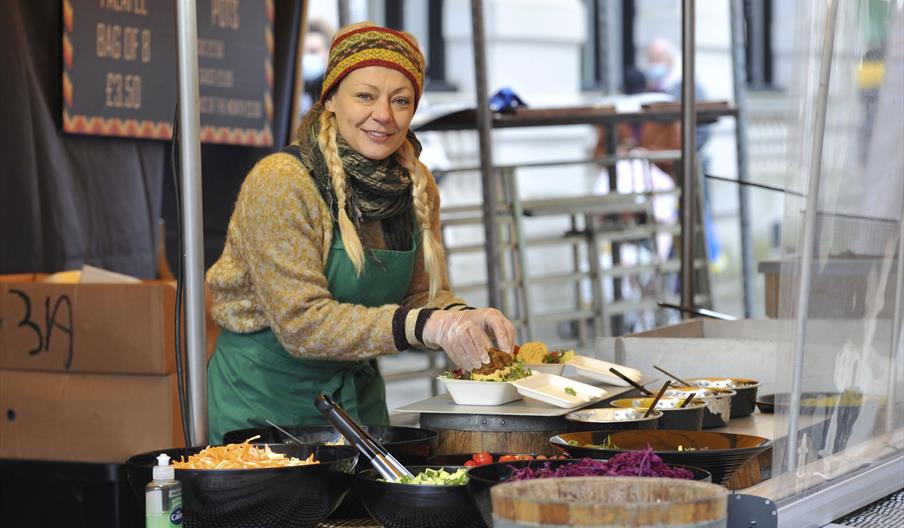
<point>494,324</point>
<point>464,342</point>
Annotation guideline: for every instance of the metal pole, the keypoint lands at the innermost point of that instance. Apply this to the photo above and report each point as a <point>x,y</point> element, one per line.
<point>688,154</point>
<point>484,129</point>
<point>298,83</point>
<point>193,220</point>
<point>740,96</point>
<point>813,175</point>
<point>897,340</point>
<point>342,7</point>
<point>519,240</point>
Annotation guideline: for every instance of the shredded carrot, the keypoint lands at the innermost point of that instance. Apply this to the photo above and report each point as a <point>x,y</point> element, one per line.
<point>240,456</point>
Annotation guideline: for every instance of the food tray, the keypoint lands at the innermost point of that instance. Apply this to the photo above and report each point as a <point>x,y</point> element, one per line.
<point>594,370</point>
<point>482,393</point>
<point>552,389</point>
<point>443,404</point>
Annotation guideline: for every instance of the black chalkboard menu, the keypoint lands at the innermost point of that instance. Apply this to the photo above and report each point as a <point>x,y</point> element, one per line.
<point>120,69</point>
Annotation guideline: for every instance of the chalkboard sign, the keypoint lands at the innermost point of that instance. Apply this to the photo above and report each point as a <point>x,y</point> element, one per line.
<point>120,69</point>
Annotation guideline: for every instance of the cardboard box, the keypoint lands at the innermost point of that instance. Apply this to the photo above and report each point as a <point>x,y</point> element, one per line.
<point>89,328</point>
<point>86,417</point>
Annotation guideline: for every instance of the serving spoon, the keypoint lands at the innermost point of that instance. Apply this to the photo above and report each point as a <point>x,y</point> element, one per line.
<point>664,388</point>
<point>674,377</point>
<point>631,382</point>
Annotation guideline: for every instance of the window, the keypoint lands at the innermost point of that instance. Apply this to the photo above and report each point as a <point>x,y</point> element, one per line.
<point>758,44</point>
<point>609,48</point>
<point>433,43</point>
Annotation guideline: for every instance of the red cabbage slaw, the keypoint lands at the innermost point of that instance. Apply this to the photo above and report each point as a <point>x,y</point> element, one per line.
<point>643,463</point>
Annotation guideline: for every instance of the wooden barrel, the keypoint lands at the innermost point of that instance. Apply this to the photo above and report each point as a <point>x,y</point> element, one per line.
<point>609,502</point>
<point>472,433</point>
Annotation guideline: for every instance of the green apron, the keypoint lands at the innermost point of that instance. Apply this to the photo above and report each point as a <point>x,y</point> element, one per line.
<point>251,378</point>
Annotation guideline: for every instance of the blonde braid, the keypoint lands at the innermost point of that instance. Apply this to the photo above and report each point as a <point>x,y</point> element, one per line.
<point>434,258</point>
<point>327,142</point>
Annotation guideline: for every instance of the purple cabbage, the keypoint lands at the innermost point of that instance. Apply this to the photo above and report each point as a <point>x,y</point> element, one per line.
<point>643,463</point>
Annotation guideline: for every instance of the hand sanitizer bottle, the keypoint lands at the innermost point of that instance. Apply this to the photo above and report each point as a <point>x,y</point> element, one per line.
<point>163,497</point>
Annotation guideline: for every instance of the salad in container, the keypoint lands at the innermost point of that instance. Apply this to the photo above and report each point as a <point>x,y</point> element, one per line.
<point>489,384</point>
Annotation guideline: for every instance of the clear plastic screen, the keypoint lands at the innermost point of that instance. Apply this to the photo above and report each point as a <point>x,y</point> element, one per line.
<point>851,413</point>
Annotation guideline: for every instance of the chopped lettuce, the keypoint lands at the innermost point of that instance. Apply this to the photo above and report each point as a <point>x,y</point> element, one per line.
<point>438,477</point>
<point>513,372</point>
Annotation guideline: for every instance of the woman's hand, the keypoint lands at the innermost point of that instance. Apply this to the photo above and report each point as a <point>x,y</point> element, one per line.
<point>494,324</point>
<point>464,342</point>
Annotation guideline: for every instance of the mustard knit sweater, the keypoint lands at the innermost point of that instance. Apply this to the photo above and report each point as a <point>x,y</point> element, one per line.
<point>271,272</point>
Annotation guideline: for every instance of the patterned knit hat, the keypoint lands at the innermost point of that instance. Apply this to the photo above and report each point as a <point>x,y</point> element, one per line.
<point>370,45</point>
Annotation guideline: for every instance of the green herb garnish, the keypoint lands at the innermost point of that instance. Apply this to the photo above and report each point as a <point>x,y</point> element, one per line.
<point>569,390</point>
<point>607,444</point>
<point>518,371</point>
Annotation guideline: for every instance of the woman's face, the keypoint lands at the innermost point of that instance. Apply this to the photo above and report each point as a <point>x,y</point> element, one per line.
<point>373,107</point>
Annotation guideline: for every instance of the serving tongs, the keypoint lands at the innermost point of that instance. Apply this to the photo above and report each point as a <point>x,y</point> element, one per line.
<point>386,465</point>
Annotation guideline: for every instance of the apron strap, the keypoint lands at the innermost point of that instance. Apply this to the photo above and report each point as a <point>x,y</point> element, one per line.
<point>344,383</point>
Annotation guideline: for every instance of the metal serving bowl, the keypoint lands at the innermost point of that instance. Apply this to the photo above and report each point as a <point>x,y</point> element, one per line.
<point>744,402</point>
<point>612,419</point>
<point>689,418</point>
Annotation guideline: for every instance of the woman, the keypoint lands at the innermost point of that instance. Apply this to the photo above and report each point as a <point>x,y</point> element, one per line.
<point>333,254</point>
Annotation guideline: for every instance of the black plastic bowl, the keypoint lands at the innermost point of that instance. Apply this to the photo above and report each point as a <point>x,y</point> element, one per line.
<point>719,453</point>
<point>823,406</point>
<point>299,496</point>
<point>482,478</point>
<point>743,403</point>
<point>718,403</point>
<point>417,506</point>
<point>409,445</point>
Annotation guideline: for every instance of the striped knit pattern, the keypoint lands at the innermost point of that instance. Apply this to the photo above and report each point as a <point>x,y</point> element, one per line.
<point>373,46</point>
<point>270,274</point>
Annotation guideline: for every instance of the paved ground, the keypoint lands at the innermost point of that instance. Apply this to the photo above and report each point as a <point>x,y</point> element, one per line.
<point>884,513</point>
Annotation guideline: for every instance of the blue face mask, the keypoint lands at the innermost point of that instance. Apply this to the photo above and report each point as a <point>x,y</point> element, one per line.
<point>313,66</point>
<point>656,72</point>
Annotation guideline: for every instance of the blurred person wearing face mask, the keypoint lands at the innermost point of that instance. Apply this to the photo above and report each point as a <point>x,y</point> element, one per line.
<point>660,71</point>
<point>314,60</point>
<point>334,254</point>
<point>663,73</point>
